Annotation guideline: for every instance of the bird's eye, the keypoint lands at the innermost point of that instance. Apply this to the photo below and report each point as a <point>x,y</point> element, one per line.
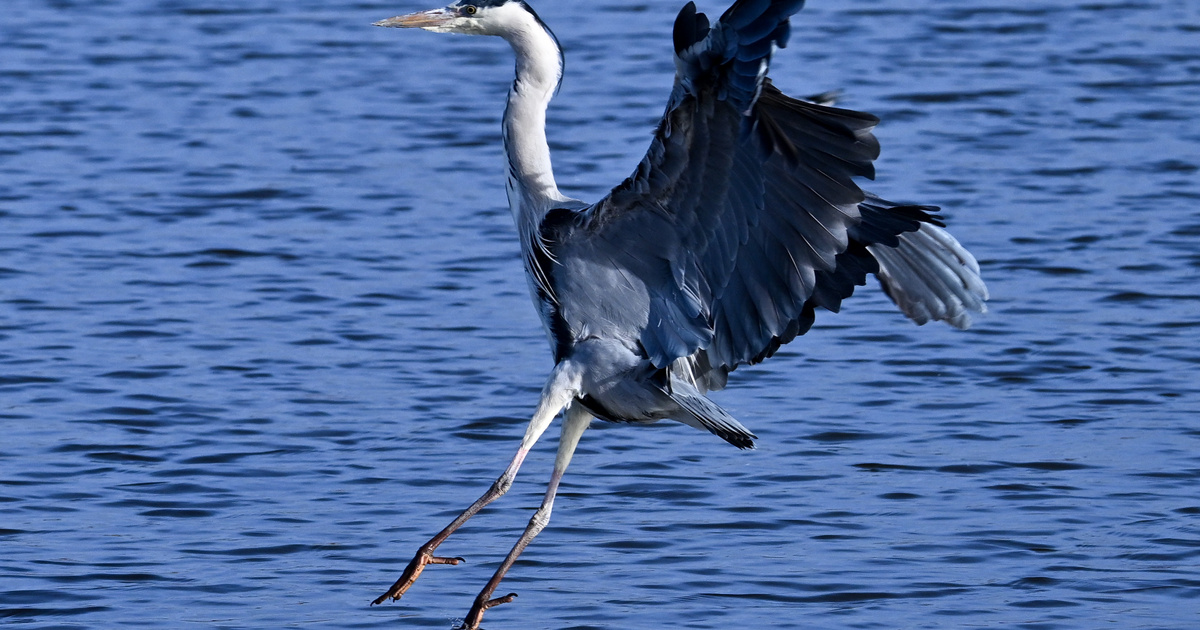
<point>471,9</point>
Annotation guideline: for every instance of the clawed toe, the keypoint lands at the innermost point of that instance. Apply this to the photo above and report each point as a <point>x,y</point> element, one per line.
<point>499,600</point>
<point>476,613</point>
<point>411,573</point>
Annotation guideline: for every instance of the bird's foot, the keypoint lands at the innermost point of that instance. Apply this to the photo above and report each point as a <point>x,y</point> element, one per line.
<point>475,615</point>
<point>412,572</point>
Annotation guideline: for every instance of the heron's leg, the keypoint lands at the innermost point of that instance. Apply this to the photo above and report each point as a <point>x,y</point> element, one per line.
<point>573,427</point>
<point>559,390</point>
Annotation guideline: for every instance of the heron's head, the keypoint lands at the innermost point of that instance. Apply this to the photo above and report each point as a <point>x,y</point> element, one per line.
<point>468,17</point>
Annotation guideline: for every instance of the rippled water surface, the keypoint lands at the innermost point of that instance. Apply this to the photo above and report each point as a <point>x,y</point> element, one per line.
<point>263,330</point>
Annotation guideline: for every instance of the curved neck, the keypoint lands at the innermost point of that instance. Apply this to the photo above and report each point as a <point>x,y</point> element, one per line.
<point>531,187</point>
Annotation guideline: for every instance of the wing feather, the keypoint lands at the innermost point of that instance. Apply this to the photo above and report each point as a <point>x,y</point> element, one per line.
<point>744,216</point>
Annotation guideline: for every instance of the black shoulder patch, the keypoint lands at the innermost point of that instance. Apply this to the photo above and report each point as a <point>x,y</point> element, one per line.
<point>554,228</point>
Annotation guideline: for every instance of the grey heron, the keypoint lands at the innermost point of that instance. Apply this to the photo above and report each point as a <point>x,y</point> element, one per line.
<point>740,222</point>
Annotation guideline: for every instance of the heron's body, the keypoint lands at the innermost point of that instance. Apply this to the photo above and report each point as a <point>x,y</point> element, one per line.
<point>741,221</point>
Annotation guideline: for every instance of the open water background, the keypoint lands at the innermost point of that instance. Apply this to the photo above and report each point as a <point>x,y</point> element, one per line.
<point>263,330</point>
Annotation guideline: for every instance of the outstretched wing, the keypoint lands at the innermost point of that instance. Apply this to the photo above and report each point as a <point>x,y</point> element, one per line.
<point>742,217</point>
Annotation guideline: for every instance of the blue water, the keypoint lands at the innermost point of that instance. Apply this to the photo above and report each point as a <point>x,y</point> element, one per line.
<point>263,330</point>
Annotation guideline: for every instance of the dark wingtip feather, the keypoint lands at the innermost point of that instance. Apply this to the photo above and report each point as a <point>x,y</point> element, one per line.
<point>744,443</point>
<point>690,27</point>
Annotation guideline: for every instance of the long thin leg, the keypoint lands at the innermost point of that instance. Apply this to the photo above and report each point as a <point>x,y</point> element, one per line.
<point>559,390</point>
<point>572,428</point>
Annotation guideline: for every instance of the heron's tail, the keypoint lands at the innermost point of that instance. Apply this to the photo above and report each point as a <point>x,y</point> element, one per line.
<point>702,413</point>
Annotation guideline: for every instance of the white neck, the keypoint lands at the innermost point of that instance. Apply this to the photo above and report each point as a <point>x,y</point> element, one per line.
<point>531,187</point>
